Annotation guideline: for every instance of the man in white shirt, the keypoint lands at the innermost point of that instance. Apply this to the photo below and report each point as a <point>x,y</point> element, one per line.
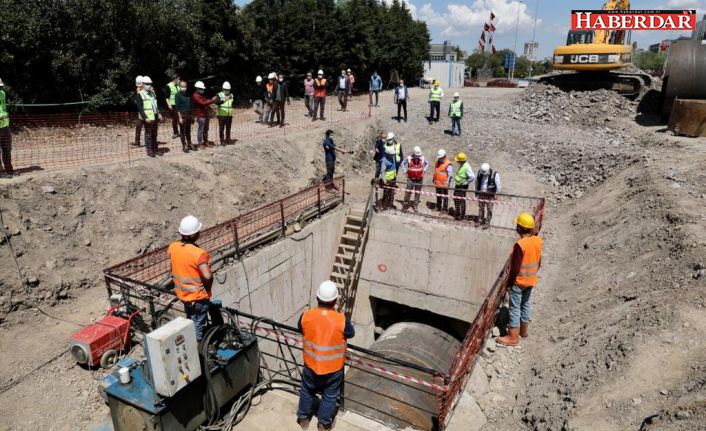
<point>487,185</point>
<point>343,86</point>
<point>401,98</point>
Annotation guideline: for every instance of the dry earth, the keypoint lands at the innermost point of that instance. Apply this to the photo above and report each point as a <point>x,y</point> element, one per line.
<point>616,336</point>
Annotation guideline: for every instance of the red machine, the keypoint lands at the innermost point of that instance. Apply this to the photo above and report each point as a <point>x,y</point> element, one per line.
<point>100,342</point>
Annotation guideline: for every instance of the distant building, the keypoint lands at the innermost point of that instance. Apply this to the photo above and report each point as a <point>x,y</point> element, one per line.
<point>531,50</point>
<point>700,32</point>
<point>446,64</point>
<point>665,44</point>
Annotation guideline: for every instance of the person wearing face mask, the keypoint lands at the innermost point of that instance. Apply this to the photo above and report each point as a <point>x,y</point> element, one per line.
<point>225,113</point>
<point>183,108</point>
<point>146,102</point>
<point>5,136</point>
<point>309,94</point>
<point>320,87</point>
<point>171,90</point>
<point>258,105</point>
<point>343,87</point>
<point>414,167</point>
<point>202,112</point>
<point>401,98</point>
<point>280,95</point>
<point>140,122</point>
<point>268,95</point>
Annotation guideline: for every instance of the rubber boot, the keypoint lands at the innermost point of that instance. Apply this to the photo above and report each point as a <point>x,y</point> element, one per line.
<point>524,329</point>
<point>511,339</point>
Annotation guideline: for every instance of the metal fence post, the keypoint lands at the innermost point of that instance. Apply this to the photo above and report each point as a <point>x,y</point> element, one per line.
<point>237,239</point>
<point>281,213</point>
<point>343,190</point>
<point>318,199</point>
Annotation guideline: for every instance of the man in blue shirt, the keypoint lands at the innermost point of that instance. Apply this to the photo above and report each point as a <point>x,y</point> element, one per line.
<point>375,87</point>
<point>330,155</point>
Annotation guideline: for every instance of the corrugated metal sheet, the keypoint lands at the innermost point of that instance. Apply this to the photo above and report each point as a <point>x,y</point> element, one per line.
<point>448,73</point>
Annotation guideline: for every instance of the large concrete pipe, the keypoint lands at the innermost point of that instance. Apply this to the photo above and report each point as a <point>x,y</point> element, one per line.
<point>684,73</point>
<point>397,403</point>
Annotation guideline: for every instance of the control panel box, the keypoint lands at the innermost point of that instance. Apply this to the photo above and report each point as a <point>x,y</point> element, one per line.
<point>172,354</point>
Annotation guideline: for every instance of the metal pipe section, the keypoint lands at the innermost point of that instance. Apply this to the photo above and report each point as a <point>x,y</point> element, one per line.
<point>391,401</point>
<point>684,73</point>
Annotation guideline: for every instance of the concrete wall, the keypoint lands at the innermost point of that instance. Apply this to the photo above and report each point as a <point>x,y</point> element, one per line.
<point>428,265</point>
<point>282,278</point>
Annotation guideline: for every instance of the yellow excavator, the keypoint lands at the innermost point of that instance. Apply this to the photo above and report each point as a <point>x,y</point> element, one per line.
<point>596,59</point>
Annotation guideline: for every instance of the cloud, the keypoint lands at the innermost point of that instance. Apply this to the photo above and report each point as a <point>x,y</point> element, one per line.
<point>412,8</point>
<point>462,20</point>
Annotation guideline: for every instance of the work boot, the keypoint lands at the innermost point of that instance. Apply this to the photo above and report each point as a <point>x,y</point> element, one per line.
<point>524,329</point>
<point>174,136</point>
<point>321,427</point>
<point>193,147</point>
<point>511,339</point>
<point>185,148</point>
<point>304,423</point>
<point>135,144</point>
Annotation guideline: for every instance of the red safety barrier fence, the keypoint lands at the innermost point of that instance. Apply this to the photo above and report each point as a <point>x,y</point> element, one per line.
<point>61,140</point>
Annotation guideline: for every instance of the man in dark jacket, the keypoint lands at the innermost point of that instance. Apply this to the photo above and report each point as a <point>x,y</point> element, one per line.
<point>280,95</point>
<point>379,152</point>
<point>182,107</point>
<point>343,87</point>
<point>401,98</point>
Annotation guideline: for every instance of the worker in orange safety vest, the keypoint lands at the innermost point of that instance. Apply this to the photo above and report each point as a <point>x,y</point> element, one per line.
<point>525,262</point>
<point>443,174</point>
<point>325,332</point>
<point>191,273</point>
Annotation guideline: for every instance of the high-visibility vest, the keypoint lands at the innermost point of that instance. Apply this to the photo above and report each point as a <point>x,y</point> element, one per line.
<point>462,175</point>
<point>324,344</point>
<point>531,255</point>
<point>320,92</point>
<point>456,108</point>
<point>435,94</point>
<point>147,104</point>
<point>226,108</point>
<point>173,90</point>
<point>184,259</point>
<point>415,171</point>
<point>391,171</point>
<point>398,152</point>
<point>4,116</point>
<point>441,175</point>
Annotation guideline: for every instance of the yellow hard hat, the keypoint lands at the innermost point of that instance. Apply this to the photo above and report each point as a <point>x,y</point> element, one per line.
<point>436,82</point>
<point>525,220</point>
<point>461,157</point>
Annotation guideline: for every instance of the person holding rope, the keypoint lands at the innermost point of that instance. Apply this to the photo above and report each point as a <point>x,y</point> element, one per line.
<point>325,333</point>
<point>330,155</point>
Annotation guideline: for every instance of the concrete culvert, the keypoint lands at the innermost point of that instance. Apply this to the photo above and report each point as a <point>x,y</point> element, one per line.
<point>391,401</point>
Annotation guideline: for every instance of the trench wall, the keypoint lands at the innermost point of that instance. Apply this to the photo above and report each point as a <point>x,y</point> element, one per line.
<point>435,266</point>
<point>279,281</point>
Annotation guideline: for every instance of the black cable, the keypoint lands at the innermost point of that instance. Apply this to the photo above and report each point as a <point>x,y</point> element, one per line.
<point>19,380</point>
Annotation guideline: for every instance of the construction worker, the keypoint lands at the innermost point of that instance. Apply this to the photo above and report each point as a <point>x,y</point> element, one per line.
<point>351,79</point>
<point>401,98</point>
<point>435,95</point>
<point>388,176</point>
<point>443,173</point>
<point>191,273</point>
<point>140,122</point>
<point>183,107</point>
<point>464,178</point>
<point>319,95</point>
<point>375,87</point>
<point>525,262</point>
<point>456,114</point>
<point>5,135</point>
<point>325,333</point>
<point>414,167</point>
<point>379,152</point>
<point>269,89</point>
<point>487,185</point>
<point>392,142</point>
<point>280,95</point>
<point>258,105</point>
<point>224,113</point>
<point>202,113</point>
<point>330,151</point>
<point>146,102</point>
<point>343,88</point>
<point>171,91</point>
<point>309,94</point>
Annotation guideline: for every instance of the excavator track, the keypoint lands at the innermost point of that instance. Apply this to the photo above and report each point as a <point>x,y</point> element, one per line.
<point>625,83</point>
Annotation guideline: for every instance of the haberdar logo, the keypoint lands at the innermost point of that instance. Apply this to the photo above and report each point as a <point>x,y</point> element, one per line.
<point>671,20</point>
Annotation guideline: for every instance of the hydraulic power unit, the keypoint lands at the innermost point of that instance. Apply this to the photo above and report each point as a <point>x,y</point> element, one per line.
<point>168,390</point>
<point>100,342</point>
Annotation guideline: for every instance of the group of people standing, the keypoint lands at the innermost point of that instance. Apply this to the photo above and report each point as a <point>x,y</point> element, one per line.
<point>184,109</point>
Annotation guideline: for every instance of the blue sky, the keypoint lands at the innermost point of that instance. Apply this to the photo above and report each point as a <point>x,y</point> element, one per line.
<point>461,22</point>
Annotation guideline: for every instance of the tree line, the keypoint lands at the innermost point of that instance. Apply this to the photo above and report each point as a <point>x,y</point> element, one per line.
<point>496,62</point>
<point>86,50</point>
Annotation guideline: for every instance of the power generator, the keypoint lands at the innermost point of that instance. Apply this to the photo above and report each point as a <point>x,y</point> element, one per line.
<point>101,342</point>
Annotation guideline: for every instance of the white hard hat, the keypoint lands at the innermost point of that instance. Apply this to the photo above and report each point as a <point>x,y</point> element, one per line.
<point>146,80</point>
<point>348,70</point>
<point>456,94</point>
<point>272,75</point>
<point>390,149</point>
<point>484,167</point>
<point>1,83</point>
<point>320,72</point>
<point>417,151</point>
<point>189,225</point>
<point>328,292</point>
<point>200,85</point>
<point>138,80</point>
<point>226,85</point>
<point>258,79</point>
<point>390,135</point>
<point>441,153</point>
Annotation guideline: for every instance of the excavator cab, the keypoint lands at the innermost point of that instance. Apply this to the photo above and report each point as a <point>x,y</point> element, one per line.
<point>579,37</point>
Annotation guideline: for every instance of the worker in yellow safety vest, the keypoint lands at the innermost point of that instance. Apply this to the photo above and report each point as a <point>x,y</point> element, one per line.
<point>325,332</point>
<point>456,114</point>
<point>435,95</point>
<point>146,102</point>
<point>191,273</point>
<point>225,114</point>
<point>463,179</point>
<point>525,262</point>
<point>171,91</point>
<point>389,165</point>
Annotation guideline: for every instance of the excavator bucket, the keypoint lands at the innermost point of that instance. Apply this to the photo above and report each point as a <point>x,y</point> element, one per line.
<point>688,117</point>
